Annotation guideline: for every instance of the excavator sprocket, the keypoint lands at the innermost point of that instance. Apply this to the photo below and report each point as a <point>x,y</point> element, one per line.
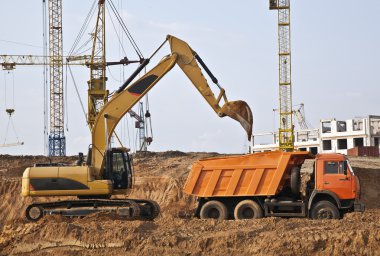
<point>241,112</point>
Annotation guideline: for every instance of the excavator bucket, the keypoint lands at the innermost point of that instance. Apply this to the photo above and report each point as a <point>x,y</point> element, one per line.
<point>241,112</point>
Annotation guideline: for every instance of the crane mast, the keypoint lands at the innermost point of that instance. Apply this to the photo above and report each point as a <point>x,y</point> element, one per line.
<point>97,92</point>
<point>285,132</point>
<point>57,140</point>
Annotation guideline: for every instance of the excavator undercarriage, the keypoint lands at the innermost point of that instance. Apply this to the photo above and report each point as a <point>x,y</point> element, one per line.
<point>129,209</point>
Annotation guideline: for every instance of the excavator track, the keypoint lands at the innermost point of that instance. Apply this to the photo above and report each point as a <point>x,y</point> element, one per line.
<point>130,209</point>
<point>153,212</point>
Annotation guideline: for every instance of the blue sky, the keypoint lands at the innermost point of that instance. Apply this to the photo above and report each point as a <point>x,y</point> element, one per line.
<point>335,53</point>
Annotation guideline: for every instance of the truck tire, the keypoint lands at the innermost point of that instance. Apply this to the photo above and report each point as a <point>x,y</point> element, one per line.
<point>324,210</point>
<point>295,180</point>
<point>248,209</point>
<point>214,210</point>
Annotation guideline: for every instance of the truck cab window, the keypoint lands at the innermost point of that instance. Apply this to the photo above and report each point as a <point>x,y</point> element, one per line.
<point>343,167</point>
<point>331,168</point>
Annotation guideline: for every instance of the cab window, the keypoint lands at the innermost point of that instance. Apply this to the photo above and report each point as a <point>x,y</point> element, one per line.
<point>117,163</point>
<point>331,168</point>
<point>343,166</point>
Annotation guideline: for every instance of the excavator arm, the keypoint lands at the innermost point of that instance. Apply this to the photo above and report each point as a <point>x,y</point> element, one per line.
<point>129,94</point>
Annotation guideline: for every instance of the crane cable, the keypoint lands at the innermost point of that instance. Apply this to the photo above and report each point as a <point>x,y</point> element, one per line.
<point>82,30</point>
<point>45,76</point>
<point>78,94</point>
<point>10,109</point>
<point>126,31</point>
<point>148,116</point>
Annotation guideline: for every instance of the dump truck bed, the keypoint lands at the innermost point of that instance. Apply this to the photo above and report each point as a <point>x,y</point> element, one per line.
<point>258,174</point>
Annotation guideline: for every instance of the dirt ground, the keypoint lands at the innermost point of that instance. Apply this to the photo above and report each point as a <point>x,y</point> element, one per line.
<point>160,177</point>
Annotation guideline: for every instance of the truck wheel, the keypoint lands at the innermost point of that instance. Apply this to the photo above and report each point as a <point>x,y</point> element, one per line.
<point>34,212</point>
<point>248,209</point>
<point>324,210</point>
<point>214,210</point>
<point>295,180</point>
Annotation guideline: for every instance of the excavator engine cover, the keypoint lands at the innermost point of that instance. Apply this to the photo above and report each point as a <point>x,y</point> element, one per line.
<point>241,112</point>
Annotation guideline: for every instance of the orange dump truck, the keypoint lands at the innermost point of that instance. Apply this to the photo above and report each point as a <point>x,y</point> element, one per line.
<point>268,184</point>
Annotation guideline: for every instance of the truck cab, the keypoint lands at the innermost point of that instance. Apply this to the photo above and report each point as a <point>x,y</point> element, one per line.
<point>333,180</point>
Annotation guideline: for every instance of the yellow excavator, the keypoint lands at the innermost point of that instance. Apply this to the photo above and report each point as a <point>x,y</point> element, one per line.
<point>108,171</point>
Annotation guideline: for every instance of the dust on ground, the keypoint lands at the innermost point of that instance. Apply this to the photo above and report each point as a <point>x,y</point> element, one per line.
<point>160,177</point>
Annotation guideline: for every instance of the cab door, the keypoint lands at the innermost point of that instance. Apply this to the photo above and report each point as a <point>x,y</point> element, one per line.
<point>119,170</point>
<point>337,179</point>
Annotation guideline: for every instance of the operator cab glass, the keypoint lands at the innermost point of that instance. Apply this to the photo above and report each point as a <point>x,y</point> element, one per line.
<point>119,169</point>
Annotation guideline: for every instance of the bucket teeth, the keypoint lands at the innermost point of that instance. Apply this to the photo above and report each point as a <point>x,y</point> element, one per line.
<point>241,112</point>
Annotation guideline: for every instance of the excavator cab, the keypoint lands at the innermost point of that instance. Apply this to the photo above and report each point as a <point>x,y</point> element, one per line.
<point>118,168</point>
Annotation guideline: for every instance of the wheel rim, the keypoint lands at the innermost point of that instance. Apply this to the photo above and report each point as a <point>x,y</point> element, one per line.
<point>324,214</point>
<point>34,213</point>
<point>247,213</point>
<point>213,213</point>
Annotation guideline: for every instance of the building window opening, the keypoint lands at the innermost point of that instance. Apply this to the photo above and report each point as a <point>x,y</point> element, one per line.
<point>302,149</point>
<point>313,150</point>
<point>341,126</point>
<point>376,141</point>
<point>342,143</point>
<point>358,125</point>
<point>358,142</point>
<point>326,127</point>
<point>327,145</point>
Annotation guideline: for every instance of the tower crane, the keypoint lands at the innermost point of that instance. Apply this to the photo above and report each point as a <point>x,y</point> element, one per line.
<point>97,92</point>
<point>299,114</point>
<point>140,124</point>
<point>285,132</point>
<point>57,140</point>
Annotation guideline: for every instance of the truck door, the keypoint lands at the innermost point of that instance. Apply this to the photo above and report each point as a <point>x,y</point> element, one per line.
<point>337,179</point>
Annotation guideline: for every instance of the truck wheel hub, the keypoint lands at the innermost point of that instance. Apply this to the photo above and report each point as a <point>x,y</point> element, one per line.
<point>214,213</point>
<point>324,214</point>
<point>248,213</point>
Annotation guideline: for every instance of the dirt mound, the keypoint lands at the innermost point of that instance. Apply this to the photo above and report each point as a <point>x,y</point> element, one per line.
<point>160,177</point>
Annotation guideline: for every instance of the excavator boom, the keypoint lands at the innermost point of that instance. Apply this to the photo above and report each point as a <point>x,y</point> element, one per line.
<point>128,95</point>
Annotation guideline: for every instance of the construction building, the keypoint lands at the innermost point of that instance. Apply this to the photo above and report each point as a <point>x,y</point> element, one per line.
<point>331,136</point>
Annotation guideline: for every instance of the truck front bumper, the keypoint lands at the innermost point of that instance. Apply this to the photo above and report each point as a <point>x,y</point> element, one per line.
<point>359,206</point>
